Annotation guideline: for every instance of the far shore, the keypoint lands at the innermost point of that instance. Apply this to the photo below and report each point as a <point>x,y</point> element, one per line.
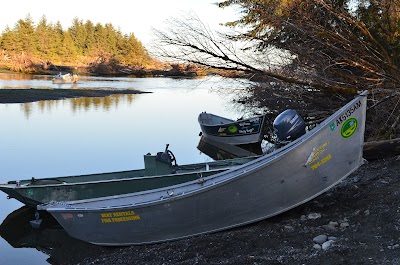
<point>33,95</point>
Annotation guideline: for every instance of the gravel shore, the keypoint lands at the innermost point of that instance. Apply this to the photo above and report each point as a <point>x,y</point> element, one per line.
<point>356,222</point>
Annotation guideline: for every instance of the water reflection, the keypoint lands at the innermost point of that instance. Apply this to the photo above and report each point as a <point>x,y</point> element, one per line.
<point>51,239</point>
<point>104,103</point>
<point>79,104</point>
<point>13,76</point>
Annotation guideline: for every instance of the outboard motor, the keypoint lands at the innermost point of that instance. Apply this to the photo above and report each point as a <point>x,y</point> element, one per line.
<point>288,126</point>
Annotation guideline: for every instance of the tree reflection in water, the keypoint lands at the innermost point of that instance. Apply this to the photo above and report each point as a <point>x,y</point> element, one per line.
<point>78,104</point>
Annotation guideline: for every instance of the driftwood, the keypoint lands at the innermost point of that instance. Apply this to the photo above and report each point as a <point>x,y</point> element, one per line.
<point>381,149</point>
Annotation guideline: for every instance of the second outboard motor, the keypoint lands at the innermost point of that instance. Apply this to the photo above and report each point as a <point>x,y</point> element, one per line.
<point>289,126</point>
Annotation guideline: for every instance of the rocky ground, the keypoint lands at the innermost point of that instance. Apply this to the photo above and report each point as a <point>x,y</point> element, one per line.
<point>356,222</point>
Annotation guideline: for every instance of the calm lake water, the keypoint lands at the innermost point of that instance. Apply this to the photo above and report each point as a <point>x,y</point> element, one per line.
<point>93,135</point>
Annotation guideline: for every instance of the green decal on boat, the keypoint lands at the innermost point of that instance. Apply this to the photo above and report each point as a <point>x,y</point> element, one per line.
<point>333,126</point>
<point>349,127</point>
<point>232,129</point>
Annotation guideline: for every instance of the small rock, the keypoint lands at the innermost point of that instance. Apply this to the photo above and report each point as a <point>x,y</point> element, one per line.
<point>320,239</point>
<point>289,228</point>
<point>394,246</point>
<point>329,227</point>
<point>317,246</point>
<point>344,225</point>
<point>314,216</point>
<point>327,245</point>
<point>332,238</point>
<point>366,212</point>
<point>333,223</point>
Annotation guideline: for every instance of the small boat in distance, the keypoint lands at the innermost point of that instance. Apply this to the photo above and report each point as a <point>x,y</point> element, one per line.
<point>65,79</point>
<point>261,188</point>
<point>227,131</point>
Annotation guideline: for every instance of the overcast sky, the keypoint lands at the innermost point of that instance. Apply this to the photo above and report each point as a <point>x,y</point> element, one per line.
<point>132,16</point>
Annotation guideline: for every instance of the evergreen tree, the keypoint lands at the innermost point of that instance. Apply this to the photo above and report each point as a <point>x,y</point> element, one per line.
<point>43,33</point>
<point>8,40</point>
<point>133,52</point>
<point>25,38</point>
<point>90,37</point>
<point>68,49</point>
<point>78,34</point>
<point>100,37</point>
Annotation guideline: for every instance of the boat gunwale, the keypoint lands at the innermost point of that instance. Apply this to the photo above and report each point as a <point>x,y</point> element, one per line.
<point>223,163</point>
<point>26,186</point>
<point>232,121</point>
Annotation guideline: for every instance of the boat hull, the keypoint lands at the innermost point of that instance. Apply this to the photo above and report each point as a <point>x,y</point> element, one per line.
<point>257,190</point>
<point>65,79</point>
<point>60,81</point>
<point>231,132</point>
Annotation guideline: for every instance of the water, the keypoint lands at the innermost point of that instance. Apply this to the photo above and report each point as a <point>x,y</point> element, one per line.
<point>94,135</point>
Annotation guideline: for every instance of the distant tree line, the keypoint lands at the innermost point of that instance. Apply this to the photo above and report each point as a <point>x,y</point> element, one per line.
<point>82,43</point>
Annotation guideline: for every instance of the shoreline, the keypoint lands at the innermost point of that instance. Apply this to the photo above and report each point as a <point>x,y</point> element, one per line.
<point>33,95</point>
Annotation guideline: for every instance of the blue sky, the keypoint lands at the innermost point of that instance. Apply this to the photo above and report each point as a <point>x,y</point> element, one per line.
<point>136,17</point>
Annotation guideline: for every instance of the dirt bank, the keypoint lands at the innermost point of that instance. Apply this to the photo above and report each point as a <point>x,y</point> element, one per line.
<point>32,95</point>
<point>361,217</point>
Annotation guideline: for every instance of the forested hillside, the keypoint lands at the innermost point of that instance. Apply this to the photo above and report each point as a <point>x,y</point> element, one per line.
<point>27,46</point>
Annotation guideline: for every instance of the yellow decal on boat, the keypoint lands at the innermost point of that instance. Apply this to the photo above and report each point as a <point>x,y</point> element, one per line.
<point>321,162</point>
<point>316,152</point>
<point>117,217</point>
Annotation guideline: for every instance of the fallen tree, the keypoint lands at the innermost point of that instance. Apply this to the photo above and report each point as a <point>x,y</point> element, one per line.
<point>307,52</point>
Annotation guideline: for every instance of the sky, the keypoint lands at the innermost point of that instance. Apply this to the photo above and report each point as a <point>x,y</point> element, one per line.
<point>130,16</point>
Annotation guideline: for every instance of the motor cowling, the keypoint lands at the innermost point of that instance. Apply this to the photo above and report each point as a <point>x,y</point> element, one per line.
<point>289,126</point>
